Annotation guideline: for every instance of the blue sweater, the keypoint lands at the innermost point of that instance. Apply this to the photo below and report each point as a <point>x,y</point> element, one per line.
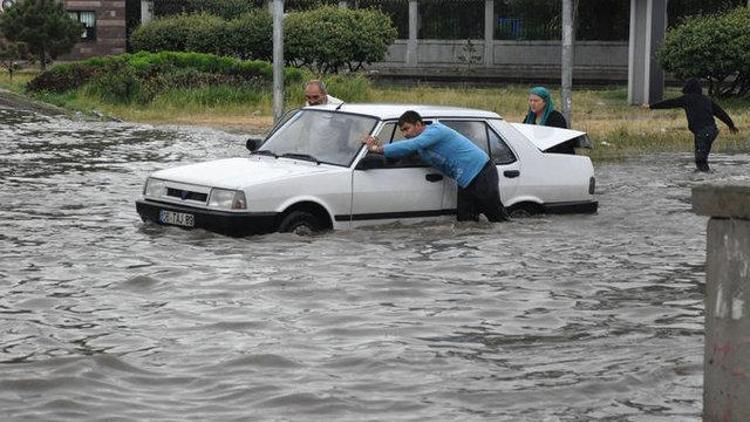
<point>444,149</point>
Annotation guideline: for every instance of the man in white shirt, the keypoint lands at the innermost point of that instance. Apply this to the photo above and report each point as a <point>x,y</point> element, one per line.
<point>316,94</point>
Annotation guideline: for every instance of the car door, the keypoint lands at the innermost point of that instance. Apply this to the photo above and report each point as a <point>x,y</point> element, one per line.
<point>506,161</point>
<point>397,190</point>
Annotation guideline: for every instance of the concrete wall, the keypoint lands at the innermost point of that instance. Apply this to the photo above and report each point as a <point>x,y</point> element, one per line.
<point>726,386</point>
<point>521,60</point>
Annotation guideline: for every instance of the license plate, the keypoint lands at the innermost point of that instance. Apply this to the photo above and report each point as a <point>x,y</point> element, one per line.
<point>177,218</point>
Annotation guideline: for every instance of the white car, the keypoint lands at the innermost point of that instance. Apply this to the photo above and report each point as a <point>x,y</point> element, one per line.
<point>313,173</point>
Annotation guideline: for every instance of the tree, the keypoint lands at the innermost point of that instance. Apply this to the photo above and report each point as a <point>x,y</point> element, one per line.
<point>45,27</point>
<point>329,38</point>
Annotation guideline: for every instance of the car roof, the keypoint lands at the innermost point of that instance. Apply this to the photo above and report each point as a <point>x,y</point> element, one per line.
<point>394,111</point>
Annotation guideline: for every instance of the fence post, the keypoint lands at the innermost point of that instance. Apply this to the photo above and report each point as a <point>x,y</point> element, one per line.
<point>489,32</point>
<point>411,45</point>
<point>147,11</point>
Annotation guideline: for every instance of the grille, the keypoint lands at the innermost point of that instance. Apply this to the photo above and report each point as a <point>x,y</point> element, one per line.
<point>187,195</point>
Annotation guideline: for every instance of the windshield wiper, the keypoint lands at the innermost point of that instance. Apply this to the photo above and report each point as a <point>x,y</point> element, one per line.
<point>266,152</point>
<point>306,157</point>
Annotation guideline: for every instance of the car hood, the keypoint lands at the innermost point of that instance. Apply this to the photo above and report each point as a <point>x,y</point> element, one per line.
<point>546,137</point>
<point>236,173</point>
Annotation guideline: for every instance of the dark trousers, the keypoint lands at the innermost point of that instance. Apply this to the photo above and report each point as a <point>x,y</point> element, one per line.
<point>703,140</point>
<point>482,195</point>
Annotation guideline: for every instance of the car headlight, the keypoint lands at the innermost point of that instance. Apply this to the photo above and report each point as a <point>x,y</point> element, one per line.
<point>227,199</point>
<point>155,188</point>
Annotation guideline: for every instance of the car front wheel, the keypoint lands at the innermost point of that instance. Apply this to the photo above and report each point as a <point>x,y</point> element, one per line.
<point>301,223</point>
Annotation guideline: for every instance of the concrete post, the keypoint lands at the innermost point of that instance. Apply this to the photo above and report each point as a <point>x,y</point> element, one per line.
<point>489,32</point>
<point>147,12</point>
<point>566,63</point>
<point>648,24</point>
<point>278,60</point>
<point>726,378</point>
<point>411,45</point>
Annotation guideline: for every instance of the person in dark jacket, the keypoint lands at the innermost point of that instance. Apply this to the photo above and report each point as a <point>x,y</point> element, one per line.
<point>542,112</point>
<point>700,111</point>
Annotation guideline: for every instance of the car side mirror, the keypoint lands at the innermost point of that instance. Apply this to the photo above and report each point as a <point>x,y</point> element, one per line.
<point>371,161</point>
<point>253,143</point>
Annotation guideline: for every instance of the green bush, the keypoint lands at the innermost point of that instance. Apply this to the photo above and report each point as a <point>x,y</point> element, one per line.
<point>249,36</point>
<point>141,77</point>
<point>246,37</point>
<point>117,84</point>
<point>226,9</point>
<point>715,48</point>
<point>61,78</point>
<point>326,40</point>
<point>329,38</point>
<point>200,32</point>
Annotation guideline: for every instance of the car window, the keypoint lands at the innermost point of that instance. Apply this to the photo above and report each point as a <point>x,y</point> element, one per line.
<point>386,132</point>
<point>321,135</point>
<point>499,150</point>
<point>411,160</point>
<point>475,131</point>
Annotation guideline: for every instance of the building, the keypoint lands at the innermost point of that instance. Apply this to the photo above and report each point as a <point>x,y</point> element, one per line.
<point>105,32</point>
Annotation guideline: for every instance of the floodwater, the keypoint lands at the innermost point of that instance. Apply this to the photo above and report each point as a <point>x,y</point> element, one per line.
<point>557,318</point>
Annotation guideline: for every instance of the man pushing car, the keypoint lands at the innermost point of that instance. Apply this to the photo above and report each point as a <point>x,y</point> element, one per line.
<point>456,157</point>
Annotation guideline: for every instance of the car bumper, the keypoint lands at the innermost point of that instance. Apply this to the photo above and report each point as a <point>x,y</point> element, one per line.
<point>586,207</point>
<point>224,222</point>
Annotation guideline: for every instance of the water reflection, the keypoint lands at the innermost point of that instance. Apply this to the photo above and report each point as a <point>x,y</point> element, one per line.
<point>556,318</point>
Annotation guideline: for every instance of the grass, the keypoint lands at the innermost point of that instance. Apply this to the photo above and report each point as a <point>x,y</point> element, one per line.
<point>616,128</point>
<point>18,83</point>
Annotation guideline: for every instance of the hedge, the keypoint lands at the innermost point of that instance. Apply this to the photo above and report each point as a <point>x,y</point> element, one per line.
<point>326,39</point>
<point>141,76</point>
<point>713,47</point>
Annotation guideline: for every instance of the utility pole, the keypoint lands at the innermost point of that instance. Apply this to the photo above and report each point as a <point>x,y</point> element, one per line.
<point>278,60</point>
<point>567,61</point>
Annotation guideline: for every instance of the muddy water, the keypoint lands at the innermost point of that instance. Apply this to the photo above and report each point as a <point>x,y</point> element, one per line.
<point>558,318</point>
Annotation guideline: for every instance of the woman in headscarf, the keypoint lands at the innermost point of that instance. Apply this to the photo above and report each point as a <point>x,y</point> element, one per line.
<point>700,111</point>
<point>542,110</point>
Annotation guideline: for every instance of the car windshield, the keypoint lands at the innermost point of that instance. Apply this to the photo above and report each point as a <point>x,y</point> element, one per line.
<point>321,136</point>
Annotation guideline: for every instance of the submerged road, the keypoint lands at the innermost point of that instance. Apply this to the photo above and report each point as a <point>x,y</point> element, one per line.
<point>555,318</point>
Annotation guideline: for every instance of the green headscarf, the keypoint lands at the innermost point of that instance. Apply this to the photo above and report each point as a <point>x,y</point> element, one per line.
<point>542,93</point>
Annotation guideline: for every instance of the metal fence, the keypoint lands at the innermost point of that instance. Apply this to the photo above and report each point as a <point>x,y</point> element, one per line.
<point>597,20</point>
<point>398,10</point>
<point>451,19</point>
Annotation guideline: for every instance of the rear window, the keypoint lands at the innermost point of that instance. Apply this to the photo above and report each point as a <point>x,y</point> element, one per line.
<point>485,138</point>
